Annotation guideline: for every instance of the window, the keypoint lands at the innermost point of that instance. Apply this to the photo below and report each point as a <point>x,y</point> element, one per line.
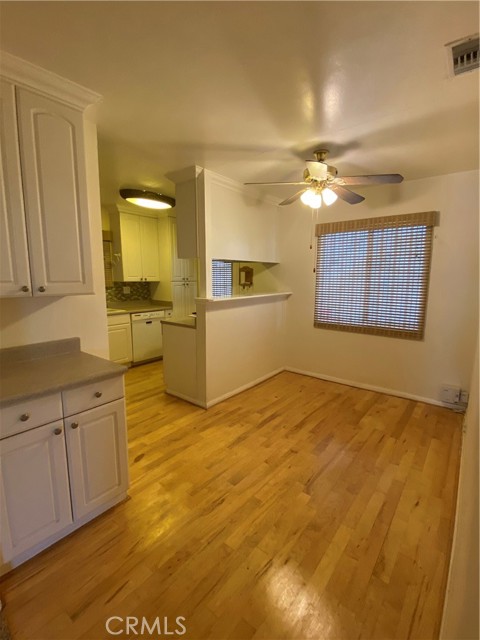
<point>221,278</point>
<point>372,275</point>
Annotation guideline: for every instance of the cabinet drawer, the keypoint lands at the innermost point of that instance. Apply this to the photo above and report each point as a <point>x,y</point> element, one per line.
<point>25,415</point>
<point>92,395</point>
<point>121,318</point>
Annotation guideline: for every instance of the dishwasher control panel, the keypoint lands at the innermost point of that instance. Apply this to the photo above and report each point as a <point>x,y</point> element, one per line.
<point>147,315</point>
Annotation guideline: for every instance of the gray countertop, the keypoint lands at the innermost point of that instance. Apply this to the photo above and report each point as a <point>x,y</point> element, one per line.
<point>136,306</point>
<point>38,369</point>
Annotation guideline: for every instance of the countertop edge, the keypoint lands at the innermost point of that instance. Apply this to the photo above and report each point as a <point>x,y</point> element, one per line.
<point>111,370</point>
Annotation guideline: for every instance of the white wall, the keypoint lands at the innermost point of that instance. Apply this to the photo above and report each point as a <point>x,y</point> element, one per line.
<point>238,224</point>
<point>411,368</point>
<point>238,343</point>
<point>245,343</point>
<point>30,320</point>
<point>460,617</point>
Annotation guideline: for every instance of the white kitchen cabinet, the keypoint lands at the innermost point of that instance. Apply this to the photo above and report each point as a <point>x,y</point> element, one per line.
<point>135,247</point>
<point>183,298</point>
<point>120,338</point>
<point>178,276</point>
<point>58,475</point>
<point>182,268</point>
<point>35,494</point>
<point>190,208</point>
<point>44,204</point>
<point>97,456</point>
<point>14,264</point>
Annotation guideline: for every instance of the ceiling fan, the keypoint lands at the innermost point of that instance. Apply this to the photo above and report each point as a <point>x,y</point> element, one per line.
<point>321,183</point>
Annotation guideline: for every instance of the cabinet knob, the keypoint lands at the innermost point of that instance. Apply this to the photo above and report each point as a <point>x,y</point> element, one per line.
<point>24,417</point>
<point>74,425</point>
<point>57,431</point>
<point>25,289</point>
<point>42,289</point>
<point>98,394</point>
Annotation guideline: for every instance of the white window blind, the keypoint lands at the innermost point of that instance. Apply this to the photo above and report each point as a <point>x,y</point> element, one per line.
<point>372,275</point>
<point>221,278</point>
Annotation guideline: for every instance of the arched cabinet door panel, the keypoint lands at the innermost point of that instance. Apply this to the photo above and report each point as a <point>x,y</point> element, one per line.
<point>52,153</point>
<point>14,264</point>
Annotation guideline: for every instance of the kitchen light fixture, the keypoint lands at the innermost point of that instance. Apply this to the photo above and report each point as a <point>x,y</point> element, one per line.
<point>148,199</point>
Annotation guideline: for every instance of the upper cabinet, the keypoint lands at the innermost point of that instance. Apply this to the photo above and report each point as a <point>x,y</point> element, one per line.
<point>44,219</point>
<point>135,247</point>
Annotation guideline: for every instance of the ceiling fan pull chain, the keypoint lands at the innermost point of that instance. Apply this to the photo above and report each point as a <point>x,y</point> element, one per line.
<point>311,229</point>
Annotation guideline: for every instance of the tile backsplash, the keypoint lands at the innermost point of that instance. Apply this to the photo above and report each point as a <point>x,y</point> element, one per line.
<point>138,291</point>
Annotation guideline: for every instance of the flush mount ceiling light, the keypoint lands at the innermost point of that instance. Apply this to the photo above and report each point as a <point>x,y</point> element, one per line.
<point>148,199</point>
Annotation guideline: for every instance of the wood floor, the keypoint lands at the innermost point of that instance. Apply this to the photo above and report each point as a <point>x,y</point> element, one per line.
<point>298,509</point>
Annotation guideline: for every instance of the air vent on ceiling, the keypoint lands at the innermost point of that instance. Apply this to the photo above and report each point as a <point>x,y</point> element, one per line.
<point>465,55</point>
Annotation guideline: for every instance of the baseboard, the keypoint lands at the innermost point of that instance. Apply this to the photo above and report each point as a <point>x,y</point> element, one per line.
<point>182,396</point>
<point>369,387</point>
<point>244,387</point>
<point>320,376</point>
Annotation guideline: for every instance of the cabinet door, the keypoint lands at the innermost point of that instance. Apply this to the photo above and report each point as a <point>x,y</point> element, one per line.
<point>149,249</point>
<point>178,300</point>
<point>190,295</point>
<point>183,298</point>
<point>34,491</point>
<point>52,152</point>
<point>120,343</point>
<point>178,265</point>
<point>14,266</point>
<point>97,456</point>
<point>182,268</point>
<point>131,243</point>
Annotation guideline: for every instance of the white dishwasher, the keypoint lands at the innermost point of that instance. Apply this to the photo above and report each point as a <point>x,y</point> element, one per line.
<point>147,335</point>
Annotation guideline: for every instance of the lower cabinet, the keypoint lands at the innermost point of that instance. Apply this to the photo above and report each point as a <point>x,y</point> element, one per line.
<point>57,476</point>
<point>35,490</point>
<point>120,338</point>
<point>97,457</point>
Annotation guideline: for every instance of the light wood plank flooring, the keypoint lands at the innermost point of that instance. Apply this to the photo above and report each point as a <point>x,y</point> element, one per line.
<point>298,509</point>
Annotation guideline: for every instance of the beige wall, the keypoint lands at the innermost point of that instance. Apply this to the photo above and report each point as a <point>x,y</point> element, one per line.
<point>238,343</point>
<point>412,368</point>
<point>460,617</point>
<point>244,344</point>
<point>30,320</point>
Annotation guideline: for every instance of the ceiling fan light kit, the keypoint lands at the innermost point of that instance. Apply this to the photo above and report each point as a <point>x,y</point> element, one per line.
<point>147,199</point>
<point>322,183</point>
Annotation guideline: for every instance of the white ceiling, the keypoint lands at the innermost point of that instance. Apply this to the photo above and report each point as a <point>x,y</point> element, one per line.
<point>249,89</point>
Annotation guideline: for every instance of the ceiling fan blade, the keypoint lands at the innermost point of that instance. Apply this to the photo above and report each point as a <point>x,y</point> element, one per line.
<point>291,199</point>
<point>347,195</point>
<point>317,170</point>
<point>273,183</point>
<point>380,178</point>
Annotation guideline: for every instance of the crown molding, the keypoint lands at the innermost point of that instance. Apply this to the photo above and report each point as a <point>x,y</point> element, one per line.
<point>26,74</point>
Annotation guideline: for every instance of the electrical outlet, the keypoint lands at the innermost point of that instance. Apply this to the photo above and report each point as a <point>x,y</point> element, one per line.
<point>449,394</point>
<point>126,289</point>
<point>464,395</point>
